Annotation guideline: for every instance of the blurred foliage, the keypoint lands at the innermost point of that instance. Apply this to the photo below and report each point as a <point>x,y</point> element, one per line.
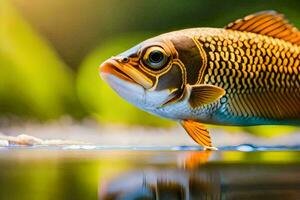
<point>260,130</point>
<point>269,131</point>
<point>33,80</point>
<point>74,27</point>
<point>100,100</point>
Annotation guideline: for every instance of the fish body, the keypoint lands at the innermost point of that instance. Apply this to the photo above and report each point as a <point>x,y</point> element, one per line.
<point>260,76</point>
<point>245,74</point>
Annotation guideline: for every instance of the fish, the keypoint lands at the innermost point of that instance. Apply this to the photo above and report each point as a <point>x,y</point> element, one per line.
<point>245,74</point>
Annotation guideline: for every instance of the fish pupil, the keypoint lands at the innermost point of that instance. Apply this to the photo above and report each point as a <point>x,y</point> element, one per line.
<point>156,56</point>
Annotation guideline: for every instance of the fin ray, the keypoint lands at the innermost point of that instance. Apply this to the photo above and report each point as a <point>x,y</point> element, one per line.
<point>268,23</point>
<point>198,132</point>
<point>204,94</point>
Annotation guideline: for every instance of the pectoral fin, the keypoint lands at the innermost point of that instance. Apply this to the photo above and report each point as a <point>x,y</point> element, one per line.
<point>198,132</point>
<point>203,94</point>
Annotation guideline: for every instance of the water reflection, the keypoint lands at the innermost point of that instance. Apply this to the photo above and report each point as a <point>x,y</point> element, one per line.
<point>161,174</point>
<point>162,184</point>
<point>226,176</point>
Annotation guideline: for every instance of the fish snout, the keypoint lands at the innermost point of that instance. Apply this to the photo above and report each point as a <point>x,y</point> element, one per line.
<point>120,68</point>
<point>109,64</point>
<point>106,67</point>
<point>115,66</point>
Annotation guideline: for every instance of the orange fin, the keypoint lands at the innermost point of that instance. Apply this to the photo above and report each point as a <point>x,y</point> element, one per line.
<point>198,132</point>
<point>269,23</point>
<point>204,94</point>
<point>196,159</point>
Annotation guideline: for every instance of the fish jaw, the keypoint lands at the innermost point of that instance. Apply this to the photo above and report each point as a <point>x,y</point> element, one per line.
<point>125,71</point>
<point>112,67</point>
<point>131,92</point>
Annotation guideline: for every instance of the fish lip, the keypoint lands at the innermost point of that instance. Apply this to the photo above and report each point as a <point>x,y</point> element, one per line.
<point>112,67</point>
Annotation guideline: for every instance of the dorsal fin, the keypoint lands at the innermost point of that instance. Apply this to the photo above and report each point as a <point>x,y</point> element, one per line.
<point>269,23</point>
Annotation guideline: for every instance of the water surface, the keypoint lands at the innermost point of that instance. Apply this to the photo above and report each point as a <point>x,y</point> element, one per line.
<point>93,172</point>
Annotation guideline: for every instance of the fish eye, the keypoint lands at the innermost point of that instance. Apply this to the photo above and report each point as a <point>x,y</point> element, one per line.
<point>155,58</point>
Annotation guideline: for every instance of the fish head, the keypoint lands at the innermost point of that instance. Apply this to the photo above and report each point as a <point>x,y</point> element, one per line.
<point>147,75</point>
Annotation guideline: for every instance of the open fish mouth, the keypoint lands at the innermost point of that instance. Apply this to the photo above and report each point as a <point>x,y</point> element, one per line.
<point>114,68</point>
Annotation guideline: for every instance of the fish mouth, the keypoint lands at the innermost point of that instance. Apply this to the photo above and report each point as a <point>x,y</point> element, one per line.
<point>125,72</point>
<point>113,67</point>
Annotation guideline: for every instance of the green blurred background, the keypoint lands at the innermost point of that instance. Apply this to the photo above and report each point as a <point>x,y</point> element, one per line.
<point>50,51</point>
